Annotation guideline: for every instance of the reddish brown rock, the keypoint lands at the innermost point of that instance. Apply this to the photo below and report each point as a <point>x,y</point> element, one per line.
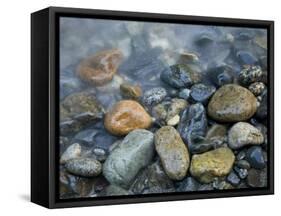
<point>100,68</point>
<point>126,116</point>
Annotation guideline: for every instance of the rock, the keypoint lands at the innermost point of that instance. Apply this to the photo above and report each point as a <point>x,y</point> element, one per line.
<point>216,132</point>
<point>257,88</point>
<point>193,124</point>
<point>233,179</point>
<point>250,74</point>
<point>86,136</point>
<point>232,103</point>
<point>174,120</point>
<point>177,105</point>
<point>201,92</point>
<point>79,103</point>
<point>130,91</point>
<point>255,157</point>
<point>257,178</point>
<point>154,96</point>
<point>184,93</point>
<point>160,111</point>
<point>73,151</point>
<point>204,40</point>
<point>242,173</point>
<point>243,164</point>
<point>126,116</point>
<point>100,68</point>
<point>220,75</point>
<point>172,151</point>
<point>246,58</point>
<point>206,145</point>
<point>241,155</point>
<point>262,109</point>
<point>219,184</point>
<point>242,134</point>
<point>100,154</point>
<point>114,190</point>
<point>153,179</point>
<point>187,184</point>
<point>69,126</point>
<point>180,76</point>
<point>112,86</point>
<point>87,167</point>
<point>134,153</point>
<point>216,163</point>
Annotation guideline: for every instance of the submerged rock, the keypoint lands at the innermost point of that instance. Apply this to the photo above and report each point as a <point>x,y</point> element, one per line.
<point>100,68</point>
<point>172,151</point>
<point>130,91</point>
<point>134,153</point>
<point>242,134</point>
<point>216,163</point>
<point>201,92</point>
<point>87,167</point>
<point>246,58</point>
<point>126,116</point>
<point>220,75</point>
<point>73,151</point>
<point>154,96</point>
<point>180,76</point>
<point>232,103</point>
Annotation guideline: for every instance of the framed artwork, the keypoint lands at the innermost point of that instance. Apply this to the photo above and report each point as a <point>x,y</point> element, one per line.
<point>138,107</point>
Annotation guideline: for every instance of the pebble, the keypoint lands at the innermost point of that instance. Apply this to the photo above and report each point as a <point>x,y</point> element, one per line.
<point>209,165</point>
<point>257,178</point>
<point>174,120</point>
<point>172,152</point>
<point>233,179</point>
<point>86,167</point>
<point>73,151</point>
<point>220,75</point>
<point>126,116</point>
<point>257,88</point>
<point>154,96</point>
<point>134,153</point>
<point>180,76</point>
<point>242,173</point>
<point>100,68</point>
<point>255,157</point>
<point>250,74</point>
<point>232,103</point>
<point>130,91</point>
<point>201,92</point>
<point>246,58</point>
<point>184,93</point>
<point>242,134</point>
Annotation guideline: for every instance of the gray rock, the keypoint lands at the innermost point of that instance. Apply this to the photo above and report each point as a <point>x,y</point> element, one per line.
<point>242,173</point>
<point>87,167</point>
<point>114,190</point>
<point>250,74</point>
<point>201,92</point>
<point>129,157</point>
<point>255,157</point>
<point>233,179</point>
<point>184,93</point>
<point>73,151</point>
<point>187,184</point>
<point>242,134</point>
<point>154,96</point>
<point>243,164</point>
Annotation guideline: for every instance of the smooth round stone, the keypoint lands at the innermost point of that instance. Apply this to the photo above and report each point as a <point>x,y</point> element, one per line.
<point>100,68</point>
<point>154,96</point>
<point>184,93</point>
<point>232,103</point>
<point>201,92</point>
<point>87,167</point>
<point>257,178</point>
<point>181,76</point>
<point>73,151</point>
<point>209,165</point>
<point>242,134</point>
<point>126,116</point>
<point>257,88</point>
<point>256,158</point>
<point>250,74</point>
<point>233,179</point>
<point>134,153</point>
<point>172,152</point>
<point>130,91</point>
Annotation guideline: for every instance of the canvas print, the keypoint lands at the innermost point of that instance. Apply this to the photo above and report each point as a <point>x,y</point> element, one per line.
<point>157,108</point>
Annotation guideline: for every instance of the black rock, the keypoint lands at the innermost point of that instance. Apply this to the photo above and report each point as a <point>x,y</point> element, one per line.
<point>187,184</point>
<point>201,92</point>
<point>233,179</point>
<point>193,124</point>
<point>255,157</point>
<point>180,76</point>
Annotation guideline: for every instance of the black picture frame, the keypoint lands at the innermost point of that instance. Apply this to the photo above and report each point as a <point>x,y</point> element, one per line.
<point>45,100</point>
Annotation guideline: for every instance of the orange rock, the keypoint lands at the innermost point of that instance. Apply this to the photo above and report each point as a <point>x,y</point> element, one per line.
<point>100,68</point>
<point>126,116</point>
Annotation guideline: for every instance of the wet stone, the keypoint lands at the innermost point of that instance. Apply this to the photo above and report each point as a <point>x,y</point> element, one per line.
<point>257,88</point>
<point>73,151</point>
<point>233,179</point>
<point>86,167</point>
<point>130,91</point>
<point>250,74</point>
<point>114,190</point>
<point>220,75</point>
<point>242,173</point>
<point>201,92</point>
<point>154,96</point>
<point>256,158</point>
<point>184,93</point>
<point>176,106</point>
<point>244,164</point>
<point>262,109</point>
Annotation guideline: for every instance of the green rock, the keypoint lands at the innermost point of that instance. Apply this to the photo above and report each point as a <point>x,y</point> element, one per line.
<point>172,151</point>
<point>209,165</point>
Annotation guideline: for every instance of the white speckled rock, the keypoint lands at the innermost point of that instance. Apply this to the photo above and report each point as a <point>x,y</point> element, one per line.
<point>73,151</point>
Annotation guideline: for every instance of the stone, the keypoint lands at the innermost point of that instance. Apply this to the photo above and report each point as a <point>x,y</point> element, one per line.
<point>154,96</point>
<point>216,132</point>
<point>250,74</point>
<point>86,136</point>
<point>220,75</point>
<point>243,164</point>
<point>242,173</point>
<point>100,68</point>
<point>232,103</point>
<point>242,134</point>
<point>262,109</point>
<point>233,179</point>
<point>128,91</point>
<point>209,165</point>
<point>180,76</point>
<point>201,92</point>
<point>153,179</point>
<point>124,162</point>
<point>177,105</point>
<point>174,120</point>
<point>184,93</point>
<point>257,178</point>
<point>187,184</point>
<point>193,124</point>
<point>126,116</point>
<point>114,190</point>
<point>206,145</point>
<point>257,88</point>
<point>246,58</point>
<point>73,151</point>
<point>87,167</point>
<point>172,152</point>
<point>255,157</point>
